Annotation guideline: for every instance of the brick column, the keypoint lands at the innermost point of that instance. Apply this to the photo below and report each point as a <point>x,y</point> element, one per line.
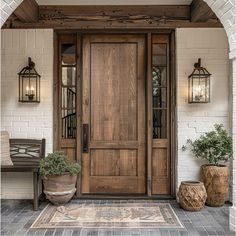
<point>226,12</point>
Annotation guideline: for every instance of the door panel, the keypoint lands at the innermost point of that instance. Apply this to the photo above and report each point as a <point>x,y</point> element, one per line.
<point>160,168</point>
<point>114,109</point>
<point>118,162</point>
<point>114,92</point>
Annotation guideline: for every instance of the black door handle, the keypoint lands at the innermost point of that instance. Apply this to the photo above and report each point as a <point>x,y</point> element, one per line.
<point>85,138</point>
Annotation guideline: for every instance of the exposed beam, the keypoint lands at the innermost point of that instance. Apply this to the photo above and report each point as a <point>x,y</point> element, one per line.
<point>108,12</point>
<point>112,17</point>
<point>201,12</point>
<point>139,24</point>
<point>28,11</point>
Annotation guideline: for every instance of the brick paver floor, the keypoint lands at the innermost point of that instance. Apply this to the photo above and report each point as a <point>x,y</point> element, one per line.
<point>17,217</point>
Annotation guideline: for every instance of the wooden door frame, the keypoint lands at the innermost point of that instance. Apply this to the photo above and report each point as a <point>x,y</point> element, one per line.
<point>173,114</point>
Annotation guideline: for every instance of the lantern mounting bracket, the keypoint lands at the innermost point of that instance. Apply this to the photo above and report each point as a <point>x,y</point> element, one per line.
<point>197,65</point>
<point>31,64</point>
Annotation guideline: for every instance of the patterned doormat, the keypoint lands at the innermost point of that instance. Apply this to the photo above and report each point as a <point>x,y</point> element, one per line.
<point>122,215</point>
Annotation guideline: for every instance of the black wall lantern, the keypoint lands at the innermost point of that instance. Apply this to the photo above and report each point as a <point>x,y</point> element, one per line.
<point>199,84</point>
<point>29,83</point>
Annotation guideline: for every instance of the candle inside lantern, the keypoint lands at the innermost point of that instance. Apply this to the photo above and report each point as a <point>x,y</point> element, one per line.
<point>199,93</point>
<point>27,90</point>
<point>32,90</point>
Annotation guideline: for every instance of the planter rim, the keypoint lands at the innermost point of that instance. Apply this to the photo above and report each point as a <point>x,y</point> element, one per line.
<point>63,174</point>
<point>192,182</point>
<point>220,165</point>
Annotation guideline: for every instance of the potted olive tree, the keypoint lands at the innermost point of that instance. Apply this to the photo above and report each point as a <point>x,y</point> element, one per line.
<point>216,148</point>
<point>59,177</point>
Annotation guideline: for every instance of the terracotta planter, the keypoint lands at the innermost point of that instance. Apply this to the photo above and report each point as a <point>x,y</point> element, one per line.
<point>59,189</point>
<point>216,181</point>
<point>192,195</point>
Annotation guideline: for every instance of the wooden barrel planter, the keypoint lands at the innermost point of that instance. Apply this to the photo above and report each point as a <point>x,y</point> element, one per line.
<point>59,189</point>
<point>192,195</point>
<point>216,181</point>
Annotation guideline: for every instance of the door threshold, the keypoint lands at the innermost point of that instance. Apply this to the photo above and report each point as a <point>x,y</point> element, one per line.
<point>124,197</point>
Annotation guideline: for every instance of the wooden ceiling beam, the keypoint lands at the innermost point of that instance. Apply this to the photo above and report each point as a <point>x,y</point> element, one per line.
<point>201,12</point>
<point>28,11</point>
<point>114,12</point>
<point>109,17</point>
<point>139,24</point>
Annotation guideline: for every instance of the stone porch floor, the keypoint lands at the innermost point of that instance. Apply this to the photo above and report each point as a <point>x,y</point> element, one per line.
<point>17,217</point>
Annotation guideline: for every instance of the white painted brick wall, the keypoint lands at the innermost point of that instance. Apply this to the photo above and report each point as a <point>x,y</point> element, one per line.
<point>25,120</point>
<point>7,7</point>
<point>211,46</point>
<point>226,12</point>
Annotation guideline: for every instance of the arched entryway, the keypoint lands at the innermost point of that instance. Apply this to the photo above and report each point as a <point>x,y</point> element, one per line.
<point>225,11</point>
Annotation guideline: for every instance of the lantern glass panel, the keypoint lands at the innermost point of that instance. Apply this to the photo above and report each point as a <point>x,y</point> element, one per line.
<point>29,88</point>
<point>199,89</point>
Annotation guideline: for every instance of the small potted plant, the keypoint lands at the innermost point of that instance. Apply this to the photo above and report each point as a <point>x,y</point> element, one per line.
<point>216,148</point>
<point>59,177</point>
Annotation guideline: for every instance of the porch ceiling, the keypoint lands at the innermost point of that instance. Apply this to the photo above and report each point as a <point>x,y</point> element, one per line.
<point>114,2</point>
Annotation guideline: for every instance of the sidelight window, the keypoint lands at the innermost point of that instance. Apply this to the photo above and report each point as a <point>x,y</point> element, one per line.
<point>159,90</point>
<point>68,88</point>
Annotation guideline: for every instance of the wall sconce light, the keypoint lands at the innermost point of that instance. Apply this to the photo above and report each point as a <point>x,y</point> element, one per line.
<point>29,83</point>
<point>199,84</point>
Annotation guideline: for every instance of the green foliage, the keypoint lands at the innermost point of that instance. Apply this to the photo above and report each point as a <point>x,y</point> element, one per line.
<point>56,164</point>
<point>214,146</point>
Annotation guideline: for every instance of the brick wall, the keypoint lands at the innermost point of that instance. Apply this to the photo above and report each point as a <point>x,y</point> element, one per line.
<point>226,12</point>
<point>7,7</point>
<point>194,119</point>
<point>25,120</point>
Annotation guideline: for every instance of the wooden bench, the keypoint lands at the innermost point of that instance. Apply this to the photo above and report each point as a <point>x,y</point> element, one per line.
<point>25,155</point>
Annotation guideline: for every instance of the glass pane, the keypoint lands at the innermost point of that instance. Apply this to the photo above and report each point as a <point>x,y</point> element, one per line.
<point>159,90</point>
<point>68,123</point>
<point>68,97</point>
<point>159,55</point>
<point>159,124</point>
<point>68,76</point>
<point>200,89</point>
<point>29,88</point>
<point>159,98</point>
<point>68,54</point>
<point>159,76</point>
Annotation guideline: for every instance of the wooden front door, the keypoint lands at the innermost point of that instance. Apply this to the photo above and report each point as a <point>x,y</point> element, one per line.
<point>113,114</point>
